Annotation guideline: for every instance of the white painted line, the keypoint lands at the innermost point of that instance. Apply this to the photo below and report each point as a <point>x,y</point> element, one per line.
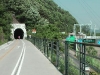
<point>13,72</point>
<point>17,66</point>
<point>21,63</point>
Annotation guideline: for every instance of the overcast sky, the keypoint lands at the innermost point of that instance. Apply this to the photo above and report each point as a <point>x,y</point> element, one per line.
<point>83,10</point>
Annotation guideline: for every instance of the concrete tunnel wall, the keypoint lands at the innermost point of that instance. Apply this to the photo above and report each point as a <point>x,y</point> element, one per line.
<point>18,30</point>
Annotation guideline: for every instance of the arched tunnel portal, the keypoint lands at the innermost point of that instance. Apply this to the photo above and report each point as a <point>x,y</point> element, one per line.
<point>18,32</point>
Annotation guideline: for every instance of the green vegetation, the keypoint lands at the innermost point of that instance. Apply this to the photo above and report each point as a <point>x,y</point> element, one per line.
<point>45,16</point>
<point>86,29</point>
<point>92,60</point>
<point>5,20</point>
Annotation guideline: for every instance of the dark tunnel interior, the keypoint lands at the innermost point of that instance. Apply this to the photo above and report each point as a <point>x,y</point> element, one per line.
<point>18,34</point>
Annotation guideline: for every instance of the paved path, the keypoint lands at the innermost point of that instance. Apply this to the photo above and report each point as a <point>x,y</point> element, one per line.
<point>25,59</point>
<point>35,63</point>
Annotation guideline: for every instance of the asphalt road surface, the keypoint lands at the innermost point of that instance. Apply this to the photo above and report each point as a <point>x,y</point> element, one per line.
<point>21,57</point>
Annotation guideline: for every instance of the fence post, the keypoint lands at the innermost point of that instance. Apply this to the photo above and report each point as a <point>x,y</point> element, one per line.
<point>57,54</point>
<point>44,44</point>
<point>39,39</point>
<point>47,48</point>
<point>34,40</point>
<point>66,57</point>
<point>82,59</point>
<point>51,49</point>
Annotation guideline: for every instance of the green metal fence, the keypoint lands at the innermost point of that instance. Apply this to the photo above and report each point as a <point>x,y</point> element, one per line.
<point>70,58</point>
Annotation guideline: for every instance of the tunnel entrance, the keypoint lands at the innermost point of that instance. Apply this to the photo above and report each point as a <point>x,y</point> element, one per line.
<point>18,33</point>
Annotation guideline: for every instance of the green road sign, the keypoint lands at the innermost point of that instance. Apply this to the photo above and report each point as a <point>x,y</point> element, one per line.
<point>89,40</point>
<point>71,38</point>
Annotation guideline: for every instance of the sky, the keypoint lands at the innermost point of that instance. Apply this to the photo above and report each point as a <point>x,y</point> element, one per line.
<point>85,11</point>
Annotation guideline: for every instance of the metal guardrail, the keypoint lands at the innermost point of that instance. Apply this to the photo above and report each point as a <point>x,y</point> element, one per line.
<point>70,58</point>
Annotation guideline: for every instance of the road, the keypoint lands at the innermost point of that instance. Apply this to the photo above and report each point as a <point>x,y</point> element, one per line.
<point>9,55</point>
<point>21,57</point>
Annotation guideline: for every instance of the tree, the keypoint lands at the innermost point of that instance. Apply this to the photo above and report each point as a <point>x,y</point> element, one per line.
<point>86,29</point>
<point>5,21</point>
<point>40,13</point>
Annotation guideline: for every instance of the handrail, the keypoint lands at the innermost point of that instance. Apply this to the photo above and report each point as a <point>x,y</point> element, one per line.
<point>66,58</point>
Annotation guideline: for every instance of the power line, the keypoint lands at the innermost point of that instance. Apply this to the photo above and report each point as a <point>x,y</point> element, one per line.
<point>91,8</point>
<point>71,12</point>
<point>87,12</point>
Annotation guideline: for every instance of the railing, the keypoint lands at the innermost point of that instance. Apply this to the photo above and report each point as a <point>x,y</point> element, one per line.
<point>70,58</point>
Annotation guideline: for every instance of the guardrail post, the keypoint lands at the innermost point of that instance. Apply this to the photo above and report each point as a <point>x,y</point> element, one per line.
<point>66,57</point>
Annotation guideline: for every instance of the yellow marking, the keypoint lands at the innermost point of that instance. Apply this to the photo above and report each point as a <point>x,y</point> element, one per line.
<point>8,52</point>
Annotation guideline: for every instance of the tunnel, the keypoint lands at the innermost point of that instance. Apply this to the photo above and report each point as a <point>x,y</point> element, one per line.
<point>18,33</point>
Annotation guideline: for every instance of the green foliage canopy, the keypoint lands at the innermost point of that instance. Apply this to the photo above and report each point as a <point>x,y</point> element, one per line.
<point>5,21</point>
<point>36,13</point>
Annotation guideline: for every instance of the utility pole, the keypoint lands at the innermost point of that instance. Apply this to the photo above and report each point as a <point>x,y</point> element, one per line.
<point>80,27</point>
<point>95,31</point>
<point>90,27</point>
<point>74,29</point>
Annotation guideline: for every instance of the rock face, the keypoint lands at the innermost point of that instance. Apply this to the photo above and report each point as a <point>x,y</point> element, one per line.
<point>14,20</point>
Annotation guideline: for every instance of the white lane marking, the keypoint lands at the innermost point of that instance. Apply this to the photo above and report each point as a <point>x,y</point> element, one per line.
<point>17,66</point>
<point>20,66</point>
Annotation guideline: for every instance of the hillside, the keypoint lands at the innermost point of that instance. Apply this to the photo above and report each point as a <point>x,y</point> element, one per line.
<point>40,13</point>
<point>5,21</point>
